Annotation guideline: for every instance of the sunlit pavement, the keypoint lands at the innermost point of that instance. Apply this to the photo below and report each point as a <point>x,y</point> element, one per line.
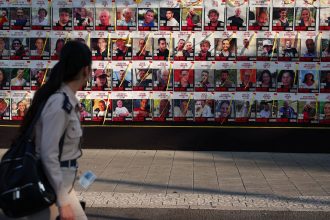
<point>158,184</point>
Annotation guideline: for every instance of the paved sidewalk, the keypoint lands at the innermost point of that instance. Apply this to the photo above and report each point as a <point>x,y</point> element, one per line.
<point>128,181</point>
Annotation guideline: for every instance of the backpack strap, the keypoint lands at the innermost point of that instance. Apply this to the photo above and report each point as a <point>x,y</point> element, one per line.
<point>67,107</point>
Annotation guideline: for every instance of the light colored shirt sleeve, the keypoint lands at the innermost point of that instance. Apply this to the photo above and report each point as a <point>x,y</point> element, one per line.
<point>53,124</point>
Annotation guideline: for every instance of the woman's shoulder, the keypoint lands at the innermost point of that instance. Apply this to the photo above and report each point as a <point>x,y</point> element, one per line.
<point>55,101</point>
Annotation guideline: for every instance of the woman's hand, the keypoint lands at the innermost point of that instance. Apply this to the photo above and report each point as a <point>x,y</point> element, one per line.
<point>66,212</point>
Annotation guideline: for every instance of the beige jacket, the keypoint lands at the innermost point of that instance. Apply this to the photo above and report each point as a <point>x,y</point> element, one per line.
<point>52,124</point>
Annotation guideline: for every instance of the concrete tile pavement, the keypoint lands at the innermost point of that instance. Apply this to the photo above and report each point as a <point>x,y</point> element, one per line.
<point>206,180</point>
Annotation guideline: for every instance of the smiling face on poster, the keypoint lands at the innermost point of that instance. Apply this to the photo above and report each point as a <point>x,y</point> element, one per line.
<point>20,104</point>
<point>184,47</point>
<point>225,49</point>
<point>308,81</point>
<point>41,18</point>
<point>305,19</point>
<point>20,18</point>
<point>148,19</point>
<point>122,109</point>
<point>19,49</point>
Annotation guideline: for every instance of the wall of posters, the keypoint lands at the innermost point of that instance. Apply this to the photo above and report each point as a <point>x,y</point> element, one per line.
<point>200,61</point>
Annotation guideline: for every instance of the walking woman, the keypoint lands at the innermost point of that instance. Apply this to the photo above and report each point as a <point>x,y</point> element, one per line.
<point>59,122</point>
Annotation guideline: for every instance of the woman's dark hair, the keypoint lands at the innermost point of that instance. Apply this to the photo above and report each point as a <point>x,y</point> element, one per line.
<point>270,76</point>
<point>305,77</point>
<point>73,58</point>
<point>3,82</point>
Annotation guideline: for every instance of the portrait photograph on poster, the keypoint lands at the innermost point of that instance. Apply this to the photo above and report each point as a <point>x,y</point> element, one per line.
<point>20,18</point>
<point>225,79</point>
<point>142,48</point>
<point>163,79</point>
<point>41,18</point>
<point>162,110</point>
<point>5,78</point>
<point>142,110</point>
<point>62,19</point>
<point>122,109</point>
<point>204,80</point>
